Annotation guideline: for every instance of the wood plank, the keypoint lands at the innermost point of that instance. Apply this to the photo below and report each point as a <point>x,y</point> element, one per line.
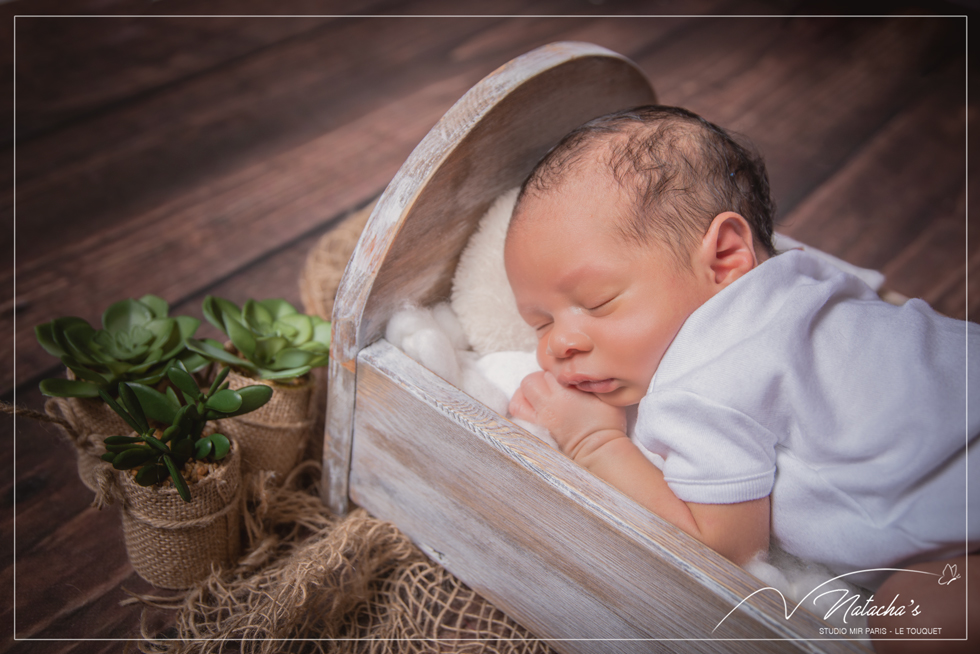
<point>69,68</point>
<point>59,586</point>
<point>126,161</point>
<point>808,91</point>
<point>567,556</point>
<point>901,199</point>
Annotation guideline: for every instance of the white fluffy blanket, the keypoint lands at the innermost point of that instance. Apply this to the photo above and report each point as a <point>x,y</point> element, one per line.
<point>480,344</point>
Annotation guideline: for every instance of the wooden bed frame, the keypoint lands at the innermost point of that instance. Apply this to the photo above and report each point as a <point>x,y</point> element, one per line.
<point>557,549</point>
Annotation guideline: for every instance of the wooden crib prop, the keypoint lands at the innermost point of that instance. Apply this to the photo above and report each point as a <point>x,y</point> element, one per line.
<point>557,549</point>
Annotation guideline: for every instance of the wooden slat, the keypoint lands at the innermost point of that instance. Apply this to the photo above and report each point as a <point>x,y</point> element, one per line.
<point>557,549</point>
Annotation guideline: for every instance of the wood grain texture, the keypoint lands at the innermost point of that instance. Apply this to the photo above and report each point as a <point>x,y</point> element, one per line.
<point>557,549</point>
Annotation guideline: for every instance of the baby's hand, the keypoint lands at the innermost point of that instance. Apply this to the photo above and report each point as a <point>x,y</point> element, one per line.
<point>569,414</point>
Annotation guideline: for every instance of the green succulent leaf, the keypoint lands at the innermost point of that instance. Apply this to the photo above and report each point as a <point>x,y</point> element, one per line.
<point>225,401</point>
<point>266,350</point>
<point>156,444</point>
<point>321,330</point>
<point>133,458</point>
<point>172,394</point>
<point>203,448</point>
<point>108,457</point>
<point>217,446</point>
<point>57,387</point>
<point>81,372</point>
<point>301,324</point>
<point>219,379</point>
<point>222,446</point>
<point>290,373</point>
<point>179,483</point>
<point>253,397</point>
<point>156,405</point>
<point>184,381</point>
<point>193,361</point>
<point>213,350</point>
<point>132,404</point>
<point>292,358</point>
<point>150,474</point>
<point>257,317</point>
<point>157,305</point>
<point>46,339</point>
<point>170,432</point>
<point>124,315</point>
<point>184,448</point>
<point>119,410</point>
<point>186,326</point>
<point>74,336</point>
<point>240,337</point>
<point>278,308</point>
<point>122,440</point>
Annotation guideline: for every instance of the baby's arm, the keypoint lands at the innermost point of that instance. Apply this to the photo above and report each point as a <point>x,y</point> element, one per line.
<point>593,434</point>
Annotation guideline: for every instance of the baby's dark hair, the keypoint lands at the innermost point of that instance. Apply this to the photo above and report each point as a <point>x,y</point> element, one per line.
<point>680,170</point>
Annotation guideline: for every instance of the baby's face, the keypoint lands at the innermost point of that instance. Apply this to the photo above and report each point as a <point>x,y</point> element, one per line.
<point>604,311</point>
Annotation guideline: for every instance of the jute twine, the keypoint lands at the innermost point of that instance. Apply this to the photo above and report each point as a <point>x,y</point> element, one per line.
<point>175,544</point>
<point>85,423</point>
<point>274,436</point>
<point>355,584</point>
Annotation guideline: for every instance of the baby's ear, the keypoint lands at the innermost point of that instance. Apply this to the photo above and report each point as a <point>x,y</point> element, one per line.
<point>728,249</point>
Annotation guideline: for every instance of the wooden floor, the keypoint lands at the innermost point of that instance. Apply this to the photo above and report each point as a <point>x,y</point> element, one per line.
<point>184,156</point>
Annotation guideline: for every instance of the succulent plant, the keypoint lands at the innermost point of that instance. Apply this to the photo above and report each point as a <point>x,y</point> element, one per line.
<point>138,342</point>
<point>275,340</point>
<point>161,453</point>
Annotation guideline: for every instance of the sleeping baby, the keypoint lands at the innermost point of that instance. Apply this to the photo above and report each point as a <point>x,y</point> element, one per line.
<point>784,398</point>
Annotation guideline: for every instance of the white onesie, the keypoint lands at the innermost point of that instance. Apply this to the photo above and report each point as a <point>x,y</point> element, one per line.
<point>797,380</point>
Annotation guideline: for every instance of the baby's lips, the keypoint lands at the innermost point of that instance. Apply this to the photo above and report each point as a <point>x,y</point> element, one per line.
<point>588,384</point>
<point>599,386</point>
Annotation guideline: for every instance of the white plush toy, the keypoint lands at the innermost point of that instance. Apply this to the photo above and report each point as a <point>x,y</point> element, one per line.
<point>481,294</point>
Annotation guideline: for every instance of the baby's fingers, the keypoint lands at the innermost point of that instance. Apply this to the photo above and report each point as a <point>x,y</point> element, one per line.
<point>520,408</point>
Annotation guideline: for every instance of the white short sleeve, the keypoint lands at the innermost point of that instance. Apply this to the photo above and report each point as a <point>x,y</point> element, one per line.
<point>722,457</point>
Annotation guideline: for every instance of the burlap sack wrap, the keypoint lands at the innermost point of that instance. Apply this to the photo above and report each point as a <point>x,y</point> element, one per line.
<point>274,436</point>
<point>174,544</point>
<point>86,422</point>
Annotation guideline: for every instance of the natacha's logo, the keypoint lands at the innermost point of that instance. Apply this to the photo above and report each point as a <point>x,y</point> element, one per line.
<point>849,601</point>
<point>949,575</point>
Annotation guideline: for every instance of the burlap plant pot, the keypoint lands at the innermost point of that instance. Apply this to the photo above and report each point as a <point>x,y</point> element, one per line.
<point>174,544</point>
<point>274,436</point>
<point>86,421</point>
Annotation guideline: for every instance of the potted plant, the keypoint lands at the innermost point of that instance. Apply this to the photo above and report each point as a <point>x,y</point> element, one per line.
<point>179,486</point>
<point>138,342</point>
<point>270,343</point>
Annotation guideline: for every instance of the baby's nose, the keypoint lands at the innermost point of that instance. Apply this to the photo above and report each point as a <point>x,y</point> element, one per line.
<point>564,343</point>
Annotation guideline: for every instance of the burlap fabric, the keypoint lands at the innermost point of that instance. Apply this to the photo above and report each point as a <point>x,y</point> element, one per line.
<point>355,584</point>
<point>86,422</point>
<point>175,544</point>
<point>326,262</point>
<point>274,436</point>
